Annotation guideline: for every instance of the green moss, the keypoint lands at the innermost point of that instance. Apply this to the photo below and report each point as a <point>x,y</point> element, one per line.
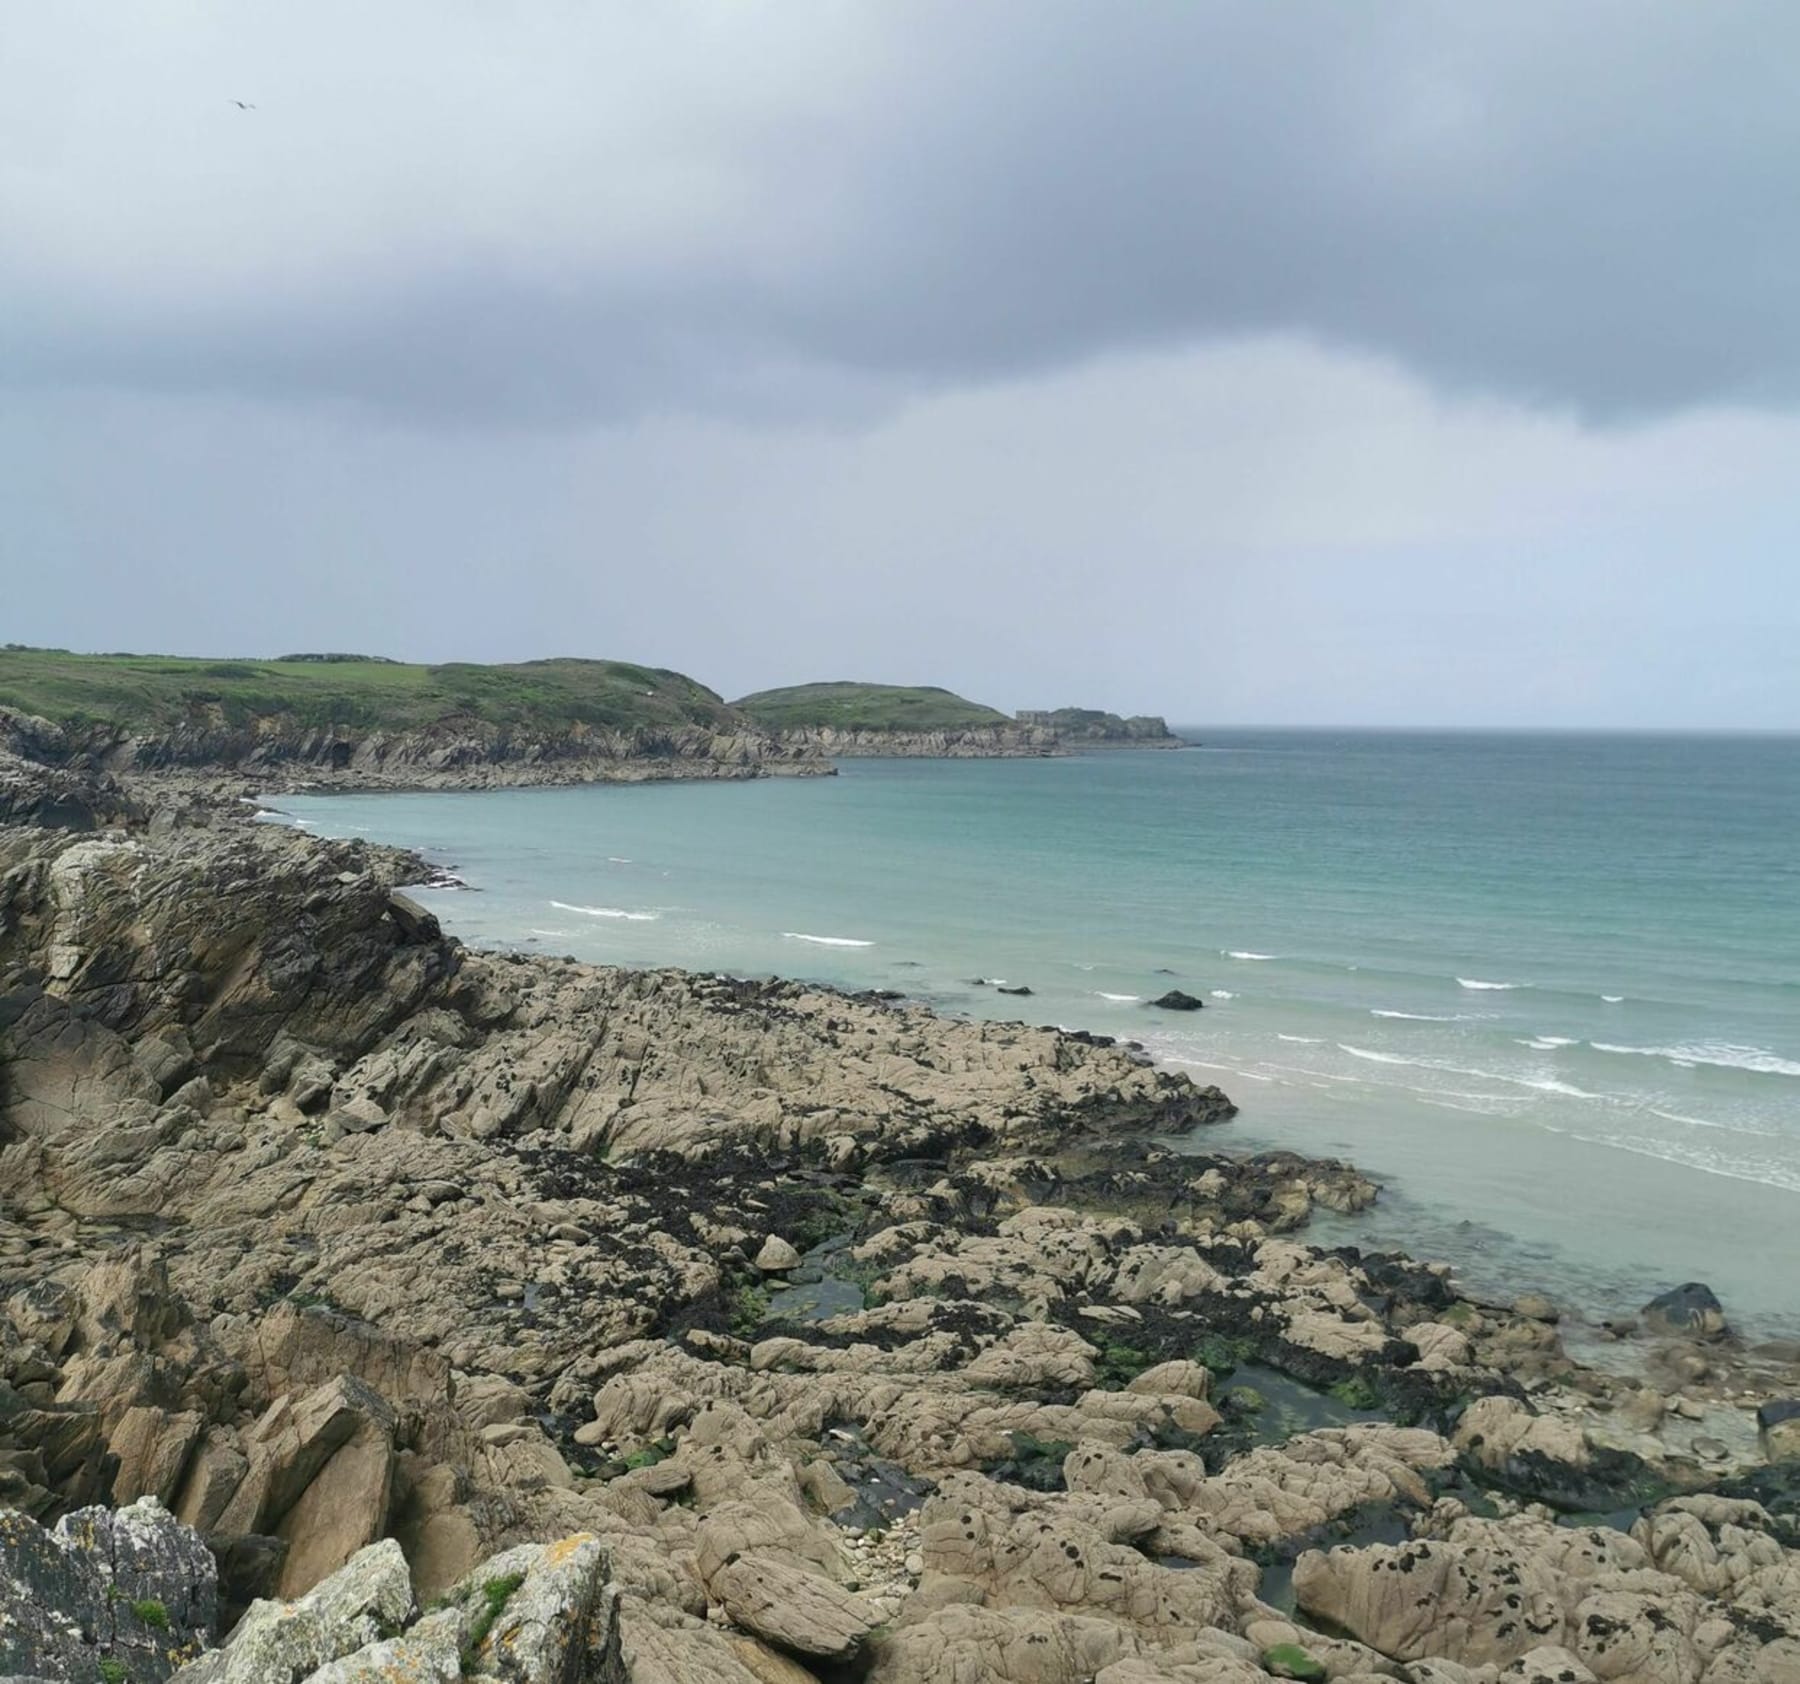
<point>1357,1392</point>
<point>112,1672</point>
<point>1220,1353</point>
<point>152,1613</point>
<point>867,707</point>
<point>748,1310</point>
<point>1119,1365</point>
<point>1289,1660</point>
<point>1460,1314</point>
<point>494,1596</point>
<point>646,1458</point>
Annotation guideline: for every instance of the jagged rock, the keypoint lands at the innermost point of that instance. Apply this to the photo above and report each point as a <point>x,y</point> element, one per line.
<point>368,1599</point>
<point>543,1614</point>
<point>1176,1001</point>
<point>320,1476</point>
<point>131,1588</point>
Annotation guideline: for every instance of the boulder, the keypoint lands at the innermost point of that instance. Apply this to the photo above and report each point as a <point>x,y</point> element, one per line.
<point>1176,1001</point>
<point>776,1256</point>
<point>1690,1311</point>
<point>784,1605</point>
<point>1778,1426</point>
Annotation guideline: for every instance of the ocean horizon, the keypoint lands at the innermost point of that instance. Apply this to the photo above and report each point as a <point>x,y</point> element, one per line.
<point>1545,986</point>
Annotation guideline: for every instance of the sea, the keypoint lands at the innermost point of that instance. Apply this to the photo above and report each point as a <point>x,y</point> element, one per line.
<point>1544,988</point>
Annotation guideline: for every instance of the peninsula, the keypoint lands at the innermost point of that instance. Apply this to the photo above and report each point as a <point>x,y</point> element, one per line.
<point>844,718</point>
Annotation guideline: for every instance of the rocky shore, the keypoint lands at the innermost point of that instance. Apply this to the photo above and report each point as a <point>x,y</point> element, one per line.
<point>1029,736</point>
<point>376,1309</point>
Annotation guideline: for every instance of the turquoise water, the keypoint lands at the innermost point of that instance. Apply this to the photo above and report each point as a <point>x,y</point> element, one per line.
<point>1546,988</point>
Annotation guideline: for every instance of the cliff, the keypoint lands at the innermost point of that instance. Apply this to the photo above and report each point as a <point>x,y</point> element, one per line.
<point>363,721</point>
<point>845,719</point>
<point>1089,728</point>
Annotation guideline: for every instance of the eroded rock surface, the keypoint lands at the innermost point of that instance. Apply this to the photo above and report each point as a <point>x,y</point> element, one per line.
<point>523,1319</point>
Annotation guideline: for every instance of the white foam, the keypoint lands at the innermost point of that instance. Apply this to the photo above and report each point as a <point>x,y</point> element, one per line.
<point>615,859</point>
<point>607,912</point>
<point>1719,1055</point>
<point>1476,982</point>
<point>1383,1058</point>
<point>842,941</point>
<point>1547,1043</point>
<point>1536,1083</point>
<point>1221,994</point>
<point>1613,999</point>
<point>1300,1040</point>
<point>1260,958</point>
<point>1550,1085</point>
<point>1123,999</point>
<point>1419,1017</point>
<point>554,935</point>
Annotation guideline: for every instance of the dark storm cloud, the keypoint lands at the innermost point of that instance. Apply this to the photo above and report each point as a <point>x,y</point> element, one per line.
<point>561,213</point>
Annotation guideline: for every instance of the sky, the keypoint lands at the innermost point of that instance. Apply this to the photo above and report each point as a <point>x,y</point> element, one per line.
<point>1421,363</point>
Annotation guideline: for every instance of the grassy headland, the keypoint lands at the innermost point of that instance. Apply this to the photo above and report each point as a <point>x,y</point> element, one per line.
<point>845,706</point>
<point>147,694</point>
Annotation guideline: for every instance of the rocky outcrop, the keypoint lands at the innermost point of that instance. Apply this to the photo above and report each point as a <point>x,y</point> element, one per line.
<point>1026,736</point>
<point>964,742</point>
<point>121,1594</point>
<point>1087,728</point>
<point>510,1318</point>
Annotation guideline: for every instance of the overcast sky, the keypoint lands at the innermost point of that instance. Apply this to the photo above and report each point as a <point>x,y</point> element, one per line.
<point>1275,362</point>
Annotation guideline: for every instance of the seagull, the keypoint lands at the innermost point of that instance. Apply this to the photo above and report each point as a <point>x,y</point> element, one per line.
<point>243,105</point>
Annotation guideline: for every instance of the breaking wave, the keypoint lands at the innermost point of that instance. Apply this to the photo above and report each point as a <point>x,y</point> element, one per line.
<point>1720,1055</point>
<point>607,912</point>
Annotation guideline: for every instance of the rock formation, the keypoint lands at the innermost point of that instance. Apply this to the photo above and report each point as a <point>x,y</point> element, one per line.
<point>436,1314</point>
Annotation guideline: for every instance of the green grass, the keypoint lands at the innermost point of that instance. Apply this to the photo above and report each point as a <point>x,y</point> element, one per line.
<point>495,1595</point>
<point>867,707</point>
<point>152,1613</point>
<point>149,693</point>
<point>112,1672</point>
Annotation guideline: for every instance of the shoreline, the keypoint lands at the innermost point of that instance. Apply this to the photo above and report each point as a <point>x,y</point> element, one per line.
<point>529,1224</point>
<point>1604,1281</point>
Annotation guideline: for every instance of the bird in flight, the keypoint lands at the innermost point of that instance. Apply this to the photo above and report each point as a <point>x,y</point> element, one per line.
<point>243,105</point>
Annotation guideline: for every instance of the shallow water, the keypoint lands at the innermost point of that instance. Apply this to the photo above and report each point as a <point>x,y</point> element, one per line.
<point>1546,988</point>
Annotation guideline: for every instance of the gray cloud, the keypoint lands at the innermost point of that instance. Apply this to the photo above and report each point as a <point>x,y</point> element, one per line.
<point>561,213</point>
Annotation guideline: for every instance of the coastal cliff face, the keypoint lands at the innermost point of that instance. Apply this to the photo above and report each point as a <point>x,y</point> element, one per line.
<point>974,742</point>
<point>457,754</point>
<point>1089,728</point>
<point>514,1318</point>
<point>1066,731</point>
